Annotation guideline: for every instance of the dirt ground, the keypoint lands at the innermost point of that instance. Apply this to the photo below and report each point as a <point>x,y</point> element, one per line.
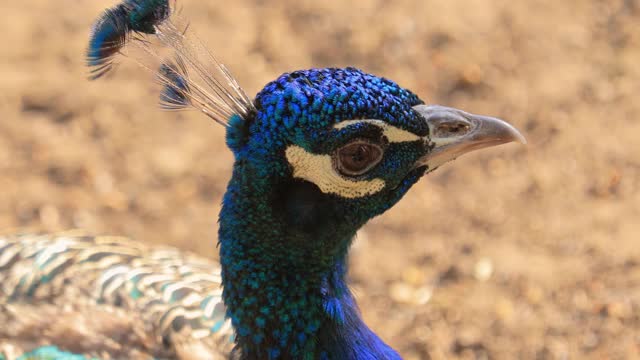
<point>511,253</point>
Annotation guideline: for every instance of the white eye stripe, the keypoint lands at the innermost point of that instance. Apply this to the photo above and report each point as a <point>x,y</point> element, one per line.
<point>392,133</point>
<point>319,170</point>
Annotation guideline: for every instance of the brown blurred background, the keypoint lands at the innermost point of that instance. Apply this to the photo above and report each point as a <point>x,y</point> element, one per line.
<point>511,253</point>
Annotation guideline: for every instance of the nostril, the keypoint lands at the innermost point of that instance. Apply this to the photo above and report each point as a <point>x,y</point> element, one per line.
<point>451,129</point>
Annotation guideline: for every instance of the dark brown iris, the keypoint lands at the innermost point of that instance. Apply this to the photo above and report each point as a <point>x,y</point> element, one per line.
<point>358,157</point>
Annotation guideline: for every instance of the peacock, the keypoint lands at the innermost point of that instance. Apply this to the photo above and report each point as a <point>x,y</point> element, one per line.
<point>317,154</point>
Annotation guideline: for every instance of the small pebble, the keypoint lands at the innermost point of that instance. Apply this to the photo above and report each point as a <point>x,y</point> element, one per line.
<point>534,294</point>
<point>414,276</point>
<point>505,310</point>
<point>483,269</point>
<point>401,292</point>
<point>423,295</point>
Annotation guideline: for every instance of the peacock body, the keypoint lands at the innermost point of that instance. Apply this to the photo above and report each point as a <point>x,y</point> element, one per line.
<point>318,153</point>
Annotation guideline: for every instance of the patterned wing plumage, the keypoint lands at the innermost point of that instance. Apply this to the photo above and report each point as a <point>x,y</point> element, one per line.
<point>98,289</point>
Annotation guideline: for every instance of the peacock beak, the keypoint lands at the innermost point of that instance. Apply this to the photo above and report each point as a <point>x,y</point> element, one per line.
<point>453,132</point>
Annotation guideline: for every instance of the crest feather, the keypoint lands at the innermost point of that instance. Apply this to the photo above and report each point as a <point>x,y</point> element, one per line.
<point>192,77</point>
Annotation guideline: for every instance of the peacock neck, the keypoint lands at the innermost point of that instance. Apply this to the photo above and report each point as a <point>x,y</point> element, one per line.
<point>286,298</point>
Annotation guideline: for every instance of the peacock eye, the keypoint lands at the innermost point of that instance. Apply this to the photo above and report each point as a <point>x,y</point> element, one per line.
<point>357,157</point>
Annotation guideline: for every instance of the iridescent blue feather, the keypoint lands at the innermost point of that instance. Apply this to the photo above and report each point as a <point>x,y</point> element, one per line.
<point>117,26</point>
<point>108,36</point>
<point>144,16</point>
<point>175,92</point>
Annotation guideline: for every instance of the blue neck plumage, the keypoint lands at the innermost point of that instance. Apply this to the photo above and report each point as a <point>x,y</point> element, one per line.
<point>286,293</point>
<point>346,336</point>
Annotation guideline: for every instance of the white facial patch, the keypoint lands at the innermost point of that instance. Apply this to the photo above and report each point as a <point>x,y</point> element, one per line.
<point>319,169</point>
<point>392,133</point>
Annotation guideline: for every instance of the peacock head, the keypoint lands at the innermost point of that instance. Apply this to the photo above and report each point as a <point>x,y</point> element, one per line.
<point>341,146</point>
